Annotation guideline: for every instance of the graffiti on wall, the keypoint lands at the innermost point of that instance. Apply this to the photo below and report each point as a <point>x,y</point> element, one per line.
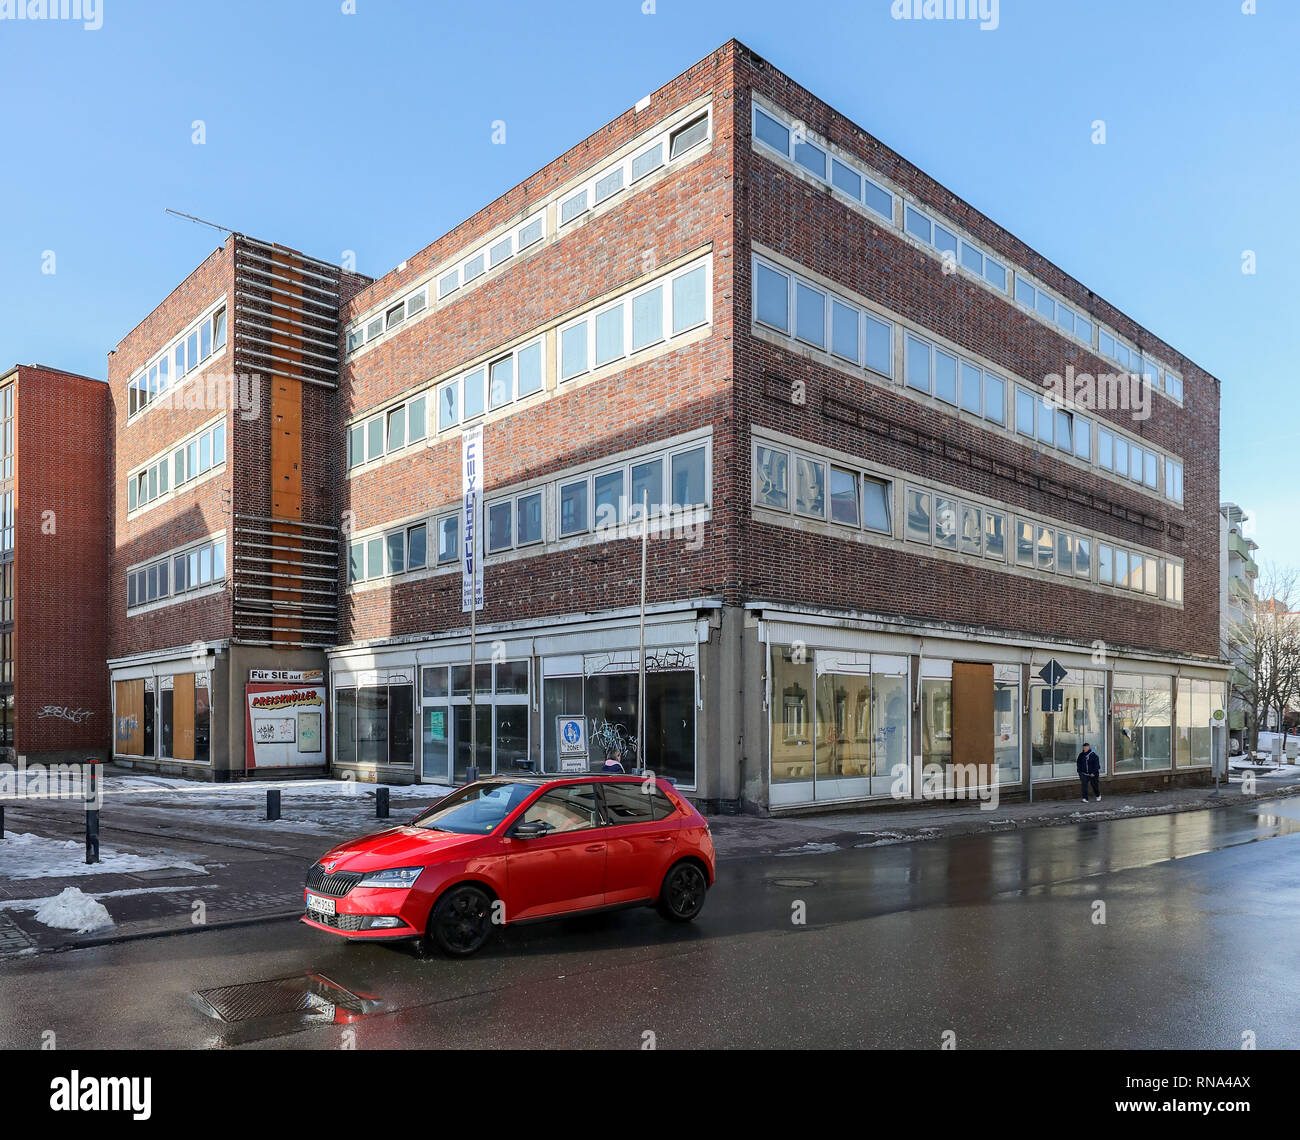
<point>65,712</point>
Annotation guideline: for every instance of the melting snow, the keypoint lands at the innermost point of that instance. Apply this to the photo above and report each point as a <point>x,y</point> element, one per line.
<point>70,909</point>
<point>27,856</point>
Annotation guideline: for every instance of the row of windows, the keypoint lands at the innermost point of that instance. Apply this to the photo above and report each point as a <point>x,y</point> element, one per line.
<point>954,379</point>
<point>389,431</point>
<point>951,247</point>
<point>1161,378</point>
<point>610,180</point>
<point>602,186</point>
<point>176,574</point>
<point>776,133</point>
<point>859,499</point>
<point>390,318</point>
<point>185,355</point>
<point>193,458</point>
<point>953,523</point>
<point>821,319</point>
<point>645,318</point>
<point>789,141</point>
<point>510,377</point>
<point>7,521</point>
<point>7,432</point>
<point>821,490</point>
<point>607,497</point>
<point>476,265</point>
<point>795,307</point>
<point>667,308</point>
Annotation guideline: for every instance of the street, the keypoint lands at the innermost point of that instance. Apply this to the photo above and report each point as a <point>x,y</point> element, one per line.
<point>992,937</point>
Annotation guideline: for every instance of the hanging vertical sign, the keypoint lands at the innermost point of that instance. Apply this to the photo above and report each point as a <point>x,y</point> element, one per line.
<point>471,466</point>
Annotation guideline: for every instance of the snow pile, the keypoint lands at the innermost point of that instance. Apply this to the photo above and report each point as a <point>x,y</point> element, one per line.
<point>72,910</point>
<point>27,856</point>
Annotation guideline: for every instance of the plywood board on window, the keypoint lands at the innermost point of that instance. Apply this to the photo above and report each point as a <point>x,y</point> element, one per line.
<point>972,713</point>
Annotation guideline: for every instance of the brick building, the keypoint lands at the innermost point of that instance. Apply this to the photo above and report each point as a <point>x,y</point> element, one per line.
<point>222,530</point>
<point>54,463</point>
<point>829,379</point>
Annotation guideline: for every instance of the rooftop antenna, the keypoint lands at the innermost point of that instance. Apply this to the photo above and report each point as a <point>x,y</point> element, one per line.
<point>198,221</point>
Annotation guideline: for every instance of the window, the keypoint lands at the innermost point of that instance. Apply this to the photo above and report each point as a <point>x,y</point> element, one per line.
<point>394,316</point>
<point>771,132</point>
<point>917,356</point>
<point>647,318</point>
<point>689,299</point>
<point>573,508</point>
<point>609,185</point>
<point>177,573</point>
<point>688,478</point>
<point>880,345</point>
<point>501,251</point>
<point>773,301</point>
<point>845,331</point>
<point>607,490</point>
<point>571,807</point>
<point>573,206</point>
<point>529,508</point>
<point>995,538</point>
<point>448,539</point>
<point>609,335</point>
<point>474,268</point>
<point>573,350</point>
<point>501,382</point>
<point>499,526</point>
<point>810,315</point>
<point>187,353</point>
<point>844,496</point>
<point>810,487</point>
<point>918,515</point>
<point>647,161</point>
<point>771,479</point>
<point>691,135</point>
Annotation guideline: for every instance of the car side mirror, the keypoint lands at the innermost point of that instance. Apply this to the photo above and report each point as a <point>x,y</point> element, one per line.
<point>532,829</point>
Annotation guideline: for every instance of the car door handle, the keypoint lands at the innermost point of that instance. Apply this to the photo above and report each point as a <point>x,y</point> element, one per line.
<point>596,847</point>
<point>665,839</point>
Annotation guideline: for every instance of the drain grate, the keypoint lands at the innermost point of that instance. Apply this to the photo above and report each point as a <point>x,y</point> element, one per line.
<point>793,882</point>
<point>309,993</point>
<point>13,938</point>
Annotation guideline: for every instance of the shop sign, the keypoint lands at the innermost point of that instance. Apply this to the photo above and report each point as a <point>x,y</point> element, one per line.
<point>288,676</point>
<point>284,726</point>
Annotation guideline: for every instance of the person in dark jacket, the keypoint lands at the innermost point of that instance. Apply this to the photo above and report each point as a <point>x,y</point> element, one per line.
<point>1089,766</point>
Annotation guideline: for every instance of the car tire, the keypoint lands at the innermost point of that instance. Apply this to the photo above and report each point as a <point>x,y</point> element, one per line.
<point>682,896</point>
<point>461,922</point>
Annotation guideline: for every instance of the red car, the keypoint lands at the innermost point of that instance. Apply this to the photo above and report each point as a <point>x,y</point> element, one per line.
<point>509,850</point>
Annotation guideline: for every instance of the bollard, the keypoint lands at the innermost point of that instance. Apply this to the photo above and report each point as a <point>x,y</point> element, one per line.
<point>471,773</point>
<point>272,803</point>
<point>91,796</point>
<point>381,803</point>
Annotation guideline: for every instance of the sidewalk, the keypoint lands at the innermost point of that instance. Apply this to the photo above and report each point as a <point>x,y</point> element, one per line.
<point>179,856</point>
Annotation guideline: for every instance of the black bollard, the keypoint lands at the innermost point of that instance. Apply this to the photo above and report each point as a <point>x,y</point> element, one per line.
<point>272,803</point>
<point>91,795</point>
<point>381,803</point>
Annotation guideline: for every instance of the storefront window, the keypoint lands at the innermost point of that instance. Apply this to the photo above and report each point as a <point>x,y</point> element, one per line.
<point>1006,731</point>
<point>791,721</point>
<point>1195,732</point>
<point>202,719</point>
<point>562,697</point>
<point>1059,737</point>
<point>1142,719</point>
<point>936,721</point>
<point>372,725</point>
<point>345,726</point>
<point>435,726</point>
<point>843,741</point>
<point>889,711</point>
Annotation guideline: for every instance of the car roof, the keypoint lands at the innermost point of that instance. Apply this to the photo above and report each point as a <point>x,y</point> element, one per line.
<point>541,779</point>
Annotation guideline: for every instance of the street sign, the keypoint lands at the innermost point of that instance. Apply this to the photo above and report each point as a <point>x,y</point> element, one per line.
<point>1218,716</point>
<point>571,739</point>
<point>1053,700</point>
<point>1053,673</point>
<point>471,585</point>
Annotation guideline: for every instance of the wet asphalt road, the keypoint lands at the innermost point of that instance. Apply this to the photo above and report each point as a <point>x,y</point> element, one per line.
<point>991,937</point>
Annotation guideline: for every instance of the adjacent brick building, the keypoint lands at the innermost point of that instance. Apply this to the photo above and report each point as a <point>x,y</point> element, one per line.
<point>829,379</point>
<point>222,529</point>
<point>54,462</point>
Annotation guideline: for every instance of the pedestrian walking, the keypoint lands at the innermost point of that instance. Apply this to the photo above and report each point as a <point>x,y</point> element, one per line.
<point>1089,766</point>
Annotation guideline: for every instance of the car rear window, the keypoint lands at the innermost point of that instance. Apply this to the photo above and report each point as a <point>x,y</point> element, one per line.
<point>633,803</point>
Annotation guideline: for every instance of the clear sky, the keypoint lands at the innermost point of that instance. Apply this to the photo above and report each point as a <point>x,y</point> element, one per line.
<point>372,131</point>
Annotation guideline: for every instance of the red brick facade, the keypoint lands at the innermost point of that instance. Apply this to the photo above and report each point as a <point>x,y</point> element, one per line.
<point>60,565</point>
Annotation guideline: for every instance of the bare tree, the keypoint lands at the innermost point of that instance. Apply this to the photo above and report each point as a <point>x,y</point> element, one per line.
<point>1268,652</point>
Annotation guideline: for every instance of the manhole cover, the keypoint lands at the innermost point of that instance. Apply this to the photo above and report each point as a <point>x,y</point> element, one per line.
<point>793,882</point>
<point>309,993</point>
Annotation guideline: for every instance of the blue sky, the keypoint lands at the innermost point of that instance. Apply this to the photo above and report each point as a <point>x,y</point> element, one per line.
<point>372,132</point>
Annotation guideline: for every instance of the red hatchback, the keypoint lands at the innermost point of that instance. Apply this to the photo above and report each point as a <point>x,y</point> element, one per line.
<point>508,850</point>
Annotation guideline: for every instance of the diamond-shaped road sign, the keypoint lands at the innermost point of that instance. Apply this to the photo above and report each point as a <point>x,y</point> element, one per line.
<point>1053,672</point>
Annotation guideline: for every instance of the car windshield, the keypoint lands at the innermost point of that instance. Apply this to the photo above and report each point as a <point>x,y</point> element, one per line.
<point>475,810</point>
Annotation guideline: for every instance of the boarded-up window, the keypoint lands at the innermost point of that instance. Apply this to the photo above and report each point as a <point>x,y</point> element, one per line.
<point>128,738</point>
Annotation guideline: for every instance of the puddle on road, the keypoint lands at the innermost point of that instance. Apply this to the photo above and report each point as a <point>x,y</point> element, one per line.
<point>251,1011</point>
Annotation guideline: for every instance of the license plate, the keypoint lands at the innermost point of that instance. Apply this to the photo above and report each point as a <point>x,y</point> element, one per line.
<point>320,905</point>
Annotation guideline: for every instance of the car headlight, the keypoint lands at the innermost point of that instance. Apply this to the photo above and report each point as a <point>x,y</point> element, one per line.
<point>392,877</point>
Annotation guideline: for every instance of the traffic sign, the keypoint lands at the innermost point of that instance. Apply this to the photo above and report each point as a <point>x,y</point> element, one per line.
<point>1053,700</point>
<point>1053,672</point>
